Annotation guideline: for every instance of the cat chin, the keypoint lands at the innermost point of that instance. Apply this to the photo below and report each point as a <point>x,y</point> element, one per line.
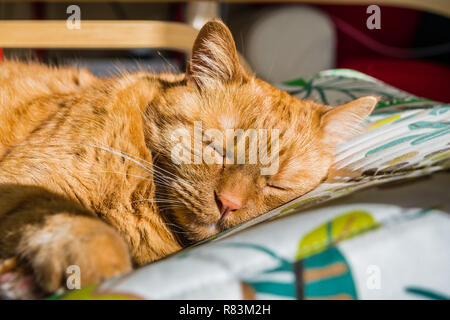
<point>205,230</point>
<point>197,230</point>
<point>210,229</point>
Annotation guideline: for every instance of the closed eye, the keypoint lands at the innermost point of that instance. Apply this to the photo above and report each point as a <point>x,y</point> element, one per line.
<point>219,152</point>
<point>216,149</point>
<point>276,187</point>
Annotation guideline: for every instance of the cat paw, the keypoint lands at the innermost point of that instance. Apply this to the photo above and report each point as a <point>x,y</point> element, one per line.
<point>16,282</point>
<point>86,254</point>
<point>19,286</point>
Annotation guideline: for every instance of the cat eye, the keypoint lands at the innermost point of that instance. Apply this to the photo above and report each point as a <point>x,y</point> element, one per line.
<point>276,187</point>
<point>215,148</point>
<point>219,152</point>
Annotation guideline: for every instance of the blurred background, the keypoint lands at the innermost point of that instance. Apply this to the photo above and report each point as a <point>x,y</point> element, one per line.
<point>280,41</point>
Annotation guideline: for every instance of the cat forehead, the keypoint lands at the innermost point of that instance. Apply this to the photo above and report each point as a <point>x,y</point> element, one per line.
<point>254,105</point>
<point>254,91</point>
<point>228,120</point>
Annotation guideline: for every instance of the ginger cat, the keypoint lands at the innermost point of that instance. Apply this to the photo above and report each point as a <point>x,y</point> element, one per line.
<point>87,175</point>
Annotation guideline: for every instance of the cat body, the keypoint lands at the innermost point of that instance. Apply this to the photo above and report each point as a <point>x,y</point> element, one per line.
<point>60,148</point>
<point>87,175</point>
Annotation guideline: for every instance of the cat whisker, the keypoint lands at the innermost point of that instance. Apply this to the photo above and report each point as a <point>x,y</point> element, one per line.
<point>157,201</point>
<point>144,178</point>
<point>156,169</point>
<point>118,153</point>
<point>171,225</point>
<point>188,203</point>
<point>168,172</point>
<point>153,165</point>
<point>157,176</point>
<point>127,174</point>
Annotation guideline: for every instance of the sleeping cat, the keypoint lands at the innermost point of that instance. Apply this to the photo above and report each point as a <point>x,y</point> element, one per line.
<point>87,175</point>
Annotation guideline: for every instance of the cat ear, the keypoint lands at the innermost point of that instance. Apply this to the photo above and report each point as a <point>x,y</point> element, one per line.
<point>214,56</point>
<point>343,122</point>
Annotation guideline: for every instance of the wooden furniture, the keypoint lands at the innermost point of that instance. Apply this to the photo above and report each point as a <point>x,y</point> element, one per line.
<point>441,7</point>
<point>116,34</point>
<point>97,34</point>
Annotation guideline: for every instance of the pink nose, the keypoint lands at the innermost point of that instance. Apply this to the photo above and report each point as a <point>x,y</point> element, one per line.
<point>228,203</point>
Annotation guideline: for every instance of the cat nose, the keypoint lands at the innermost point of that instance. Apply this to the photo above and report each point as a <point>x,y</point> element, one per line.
<point>228,203</point>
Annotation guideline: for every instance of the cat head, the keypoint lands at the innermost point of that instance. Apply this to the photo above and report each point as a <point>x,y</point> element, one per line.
<point>202,128</point>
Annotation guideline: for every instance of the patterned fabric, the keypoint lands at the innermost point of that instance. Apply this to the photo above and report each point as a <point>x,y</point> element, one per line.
<point>358,251</point>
